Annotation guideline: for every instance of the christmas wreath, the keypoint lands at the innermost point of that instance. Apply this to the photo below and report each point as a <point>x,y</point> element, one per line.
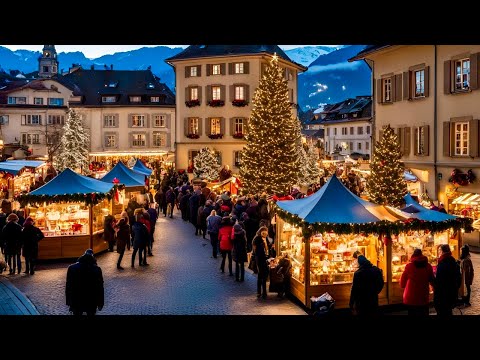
<point>462,179</point>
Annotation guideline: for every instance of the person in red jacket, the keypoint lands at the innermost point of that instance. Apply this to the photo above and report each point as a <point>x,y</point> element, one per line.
<point>418,274</point>
<point>226,243</point>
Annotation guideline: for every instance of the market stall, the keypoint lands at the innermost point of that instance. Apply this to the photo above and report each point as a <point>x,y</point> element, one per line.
<point>231,184</point>
<point>17,176</point>
<point>70,210</point>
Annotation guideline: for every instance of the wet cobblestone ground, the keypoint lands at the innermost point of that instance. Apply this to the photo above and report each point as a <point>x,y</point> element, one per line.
<point>182,279</point>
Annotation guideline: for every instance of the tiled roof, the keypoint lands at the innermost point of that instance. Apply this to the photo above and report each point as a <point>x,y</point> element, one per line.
<point>368,50</point>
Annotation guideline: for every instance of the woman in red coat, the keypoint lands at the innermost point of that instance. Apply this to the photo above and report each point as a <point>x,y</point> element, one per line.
<point>226,243</point>
<point>415,279</point>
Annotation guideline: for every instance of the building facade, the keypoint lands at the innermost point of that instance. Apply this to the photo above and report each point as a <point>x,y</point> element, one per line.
<point>430,95</point>
<point>214,90</point>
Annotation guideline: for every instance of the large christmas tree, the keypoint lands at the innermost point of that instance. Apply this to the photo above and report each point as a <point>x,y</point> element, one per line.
<point>311,172</point>
<point>205,165</point>
<point>271,157</point>
<point>386,184</point>
<point>74,144</point>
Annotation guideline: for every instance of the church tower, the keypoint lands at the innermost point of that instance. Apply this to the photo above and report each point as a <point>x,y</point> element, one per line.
<point>48,63</point>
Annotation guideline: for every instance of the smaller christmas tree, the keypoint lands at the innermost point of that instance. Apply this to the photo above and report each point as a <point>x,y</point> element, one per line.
<point>74,144</point>
<point>205,165</point>
<point>386,184</point>
<point>311,173</point>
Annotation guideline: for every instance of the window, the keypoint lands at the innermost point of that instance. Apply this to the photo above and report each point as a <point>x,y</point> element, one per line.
<point>419,83</point>
<point>110,141</point>
<point>159,120</point>
<point>352,130</point>
<point>109,121</point>
<point>159,139</point>
<point>359,146</point>
<point>38,101</point>
<point>355,115</point>
<point>17,100</point>
<point>109,99</point>
<point>53,139</point>
<point>193,128</point>
<point>155,99</point>
<point>351,145</point>
<point>237,158</point>
<point>344,131</point>
<point>328,131</point>
<point>135,99</point>
<point>193,71</point>
<point>462,75</point>
<point>238,126</point>
<point>239,93</point>
<point>139,140</point>
<point>461,138</point>
<point>138,120</point>
<point>421,140</point>
<point>215,128</point>
<point>387,89</point>
<point>30,139</point>
<point>216,92</point>
<point>55,101</point>
<point>360,130</point>
<point>56,120</point>
<point>46,68</point>
<point>335,131</point>
<point>367,146</point>
<point>112,84</point>
<point>150,86</point>
<point>368,130</point>
<point>31,119</point>
<point>3,119</point>
<point>216,69</point>
<point>344,116</point>
<point>239,68</point>
<point>194,93</point>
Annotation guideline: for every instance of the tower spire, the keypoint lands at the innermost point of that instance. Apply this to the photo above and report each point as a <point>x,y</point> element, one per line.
<point>48,63</point>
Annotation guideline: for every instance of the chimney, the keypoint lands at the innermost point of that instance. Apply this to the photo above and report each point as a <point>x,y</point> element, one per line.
<point>111,66</point>
<point>92,67</point>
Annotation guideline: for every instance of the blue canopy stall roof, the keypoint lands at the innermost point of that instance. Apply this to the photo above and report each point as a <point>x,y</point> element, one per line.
<point>125,176</point>
<point>139,167</point>
<point>27,163</point>
<point>417,211</point>
<point>334,203</point>
<point>69,182</point>
<point>11,168</point>
<point>14,166</point>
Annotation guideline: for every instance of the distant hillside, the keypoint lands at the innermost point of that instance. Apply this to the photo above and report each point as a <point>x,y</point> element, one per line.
<point>305,55</point>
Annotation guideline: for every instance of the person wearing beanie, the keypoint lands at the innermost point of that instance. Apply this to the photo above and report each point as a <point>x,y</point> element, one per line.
<point>447,282</point>
<point>260,250</point>
<point>31,235</point>
<point>466,267</point>
<point>367,284</point>
<point>12,234</point>
<point>239,251</point>
<point>416,278</point>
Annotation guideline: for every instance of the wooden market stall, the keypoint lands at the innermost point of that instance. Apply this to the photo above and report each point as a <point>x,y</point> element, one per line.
<point>321,232</point>
<point>17,176</point>
<point>231,184</point>
<point>70,210</point>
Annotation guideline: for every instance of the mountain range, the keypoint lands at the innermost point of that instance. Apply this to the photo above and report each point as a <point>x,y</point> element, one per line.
<point>329,78</point>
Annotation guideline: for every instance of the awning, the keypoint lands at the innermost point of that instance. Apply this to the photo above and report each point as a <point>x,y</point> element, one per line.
<point>467,199</point>
<point>139,167</point>
<point>27,163</point>
<point>124,175</point>
<point>14,166</point>
<point>417,211</point>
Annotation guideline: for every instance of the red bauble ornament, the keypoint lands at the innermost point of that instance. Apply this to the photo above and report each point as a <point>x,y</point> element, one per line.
<point>116,181</point>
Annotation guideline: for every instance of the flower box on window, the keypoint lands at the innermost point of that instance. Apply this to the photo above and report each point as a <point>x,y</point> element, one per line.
<point>240,103</point>
<point>238,135</point>
<point>215,136</point>
<point>192,103</point>
<point>193,136</point>
<point>216,103</point>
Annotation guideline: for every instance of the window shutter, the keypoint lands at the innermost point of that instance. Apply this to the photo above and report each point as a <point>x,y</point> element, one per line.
<point>247,92</point>
<point>199,89</point>
<point>168,120</point>
<point>406,85</point>
<point>24,120</point>
<point>379,91</point>
<point>473,137</point>
<point>208,126</point>
<point>232,92</point>
<point>168,140</point>
<point>185,126</point>
<point>285,73</point>
<point>232,126</point>
<point>222,126</point>
<point>474,72</point>
<point>427,81</point>
<point>400,138</point>
<point>231,68</point>
<point>147,120</point>
<point>246,67</point>
<point>199,70</point>
<point>187,93</point>
<point>222,68</point>
<point>209,93</point>
<point>447,77</point>
<point>415,141</point>
<point>245,123</point>
<point>130,120</point>
<point>263,69</point>
<point>398,87</point>
<point>446,138</point>
<point>290,93</point>
<point>200,127</point>
<point>187,71</point>
<point>147,139</point>
<point>209,69</point>
<point>426,140</point>
<point>222,92</point>
<point>406,143</point>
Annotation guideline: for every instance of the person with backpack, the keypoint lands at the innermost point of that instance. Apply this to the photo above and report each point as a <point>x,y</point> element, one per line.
<point>367,284</point>
<point>447,282</point>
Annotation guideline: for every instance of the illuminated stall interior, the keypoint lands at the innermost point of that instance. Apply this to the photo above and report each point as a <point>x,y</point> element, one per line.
<point>17,176</point>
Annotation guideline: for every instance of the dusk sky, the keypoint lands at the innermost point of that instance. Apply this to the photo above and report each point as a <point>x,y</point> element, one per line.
<point>94,51</point>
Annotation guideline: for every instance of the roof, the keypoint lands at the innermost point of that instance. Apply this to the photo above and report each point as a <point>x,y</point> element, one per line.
<point>362,106</point>
<point>367,51</point>
<point>69,182</point>
<point>334,203</point>
<point>92,84</point>
<point>125,176</point>
<point>417,211</point>
<point>139,167</point>
<point>27,163</point>
<point>14,166</point>
<point>201,51</point>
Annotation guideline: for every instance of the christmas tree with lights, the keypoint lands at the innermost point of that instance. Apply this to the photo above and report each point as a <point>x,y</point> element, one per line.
<point>311,172</point>
<point>271,159</point>
<point>74,145</point>
<point>386,185</point>
<point>205,165</point>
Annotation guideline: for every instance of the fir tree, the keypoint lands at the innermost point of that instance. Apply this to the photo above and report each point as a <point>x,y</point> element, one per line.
<point>74,144</point>
<point>386,184</point>
<point>205,165</point>
<point>271,159</point>
<point>311,172</point>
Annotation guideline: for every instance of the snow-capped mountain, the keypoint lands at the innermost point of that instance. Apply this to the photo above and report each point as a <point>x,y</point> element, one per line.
<point>305,55</point>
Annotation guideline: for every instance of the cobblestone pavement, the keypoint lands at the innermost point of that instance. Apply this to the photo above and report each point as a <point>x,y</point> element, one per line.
<point>182,279</point>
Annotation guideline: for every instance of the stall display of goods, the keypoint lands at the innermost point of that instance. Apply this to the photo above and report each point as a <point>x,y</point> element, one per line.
<point>99,212</point>
<point>291,243</point>
<point>61,219</point>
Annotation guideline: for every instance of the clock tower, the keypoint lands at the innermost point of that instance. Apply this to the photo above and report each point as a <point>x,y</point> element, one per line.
<point>48,63</point>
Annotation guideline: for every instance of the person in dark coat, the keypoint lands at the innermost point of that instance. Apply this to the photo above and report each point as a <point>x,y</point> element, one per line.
<point>170,197</point>
<point>184,205</point>
<point>122,229</point>
<point>21,217</point>
<point>447,282</point>
<point>466,268</point>
<point>84,289</point>
<point>3,222</point>
<point>31,235</point>
<point>108,231</point>
<point>239,251</point>
<point>140,238</point>
<point>213,223</point>
<point>416,277</point>
<point>194,203</point>
<point>207,210</point>
<point>262,208</point>
<point>260,251</point>
<point>367,284</point>
<point>153,223</point>
<point>12,233</point>
<point>251,227</point>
